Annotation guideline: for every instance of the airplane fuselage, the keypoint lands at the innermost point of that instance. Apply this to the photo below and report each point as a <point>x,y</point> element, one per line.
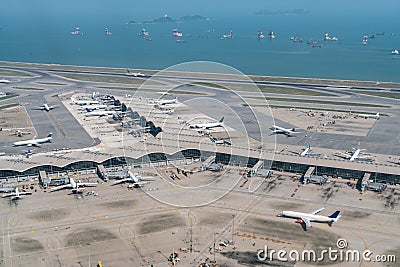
<point>311,217</point>
<point>32,142</point>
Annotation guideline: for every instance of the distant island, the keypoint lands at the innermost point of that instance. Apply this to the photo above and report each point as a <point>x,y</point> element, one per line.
<point>282,12</point>
<point>164,19</point>
<point>193,18</point>
<point>167,19</point>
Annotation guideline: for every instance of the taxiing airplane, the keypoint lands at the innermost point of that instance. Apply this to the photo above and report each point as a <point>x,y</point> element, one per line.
<point>280,130</point>
<point>34,142</point>
<point>207,125</point>
<point>167,101</point>
<point>137,181</point>
<point>16,194</point>
<point>135,74</point>
<point>307,218</point>
<point>45,107</point>
<point>74,186</point>
<point>4,81</point>
<point>356,155</point>
<point>366,116</point>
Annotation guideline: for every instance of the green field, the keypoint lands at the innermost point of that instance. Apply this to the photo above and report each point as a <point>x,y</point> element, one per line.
<point>4,72</point>
<point>328,109</point>
<point>27,88</point>
<point>106,79</point>
<point>323,102</point>
<point>178,92</point>
<point>377,93</point>
<point>266,89</point>
<point>9,106</point>
<point>8,96</point>
<point>51,83</point>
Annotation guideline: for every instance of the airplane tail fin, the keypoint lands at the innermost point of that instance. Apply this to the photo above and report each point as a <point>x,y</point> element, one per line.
<point>222,119</point>
<point>88,110</point>
<point>50,135</point>
<point>128,71</point>
<point>335,215</point>
<point>293,129</point>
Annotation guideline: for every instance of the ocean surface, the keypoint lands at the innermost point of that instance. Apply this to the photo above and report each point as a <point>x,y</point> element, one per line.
<point>43,36</point>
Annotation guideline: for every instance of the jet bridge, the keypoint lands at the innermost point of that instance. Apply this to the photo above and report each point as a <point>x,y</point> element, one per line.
<point>44,179</point>
<point>207,163</point>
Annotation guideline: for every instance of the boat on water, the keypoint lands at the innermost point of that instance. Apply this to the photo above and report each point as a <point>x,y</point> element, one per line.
<point>328,38</point>
<point>180,41</point>
<point>260,35</point>
<point>395,52</point>
<point>271,35</point>
<point>176,33</point>
<point>77,31</point>
<point>107,32</point>
<point>365,40</point>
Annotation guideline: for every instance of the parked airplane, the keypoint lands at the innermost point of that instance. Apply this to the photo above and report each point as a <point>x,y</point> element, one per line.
<point>85,102</point>
<point>207,125</point>
<point>137,181</point>
<point>93,107</point>
<point>306,152</point>
<point>307,218</point>
<point>99,113</point>
<point>280,130</point>
<point>135,74</point>
<point>356,155</point>
<point>16,194</point>
<point>20,133</point>
<point>45,107</point>
<point>167,101</point>
<point>74,186</point>
<point>4,81</point>
<point>34,142</point>
<point>366,116</point>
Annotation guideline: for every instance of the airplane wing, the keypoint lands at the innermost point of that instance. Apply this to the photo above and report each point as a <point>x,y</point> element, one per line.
<point>306,221</point>
<point>342,155</point>
<point>51,107</point>
<point>317,211</point>
<point>122,181</point>
<point>38,108</point>
<point>146,178</point>
<point>9,195</point>
<point>25,193</point>
<point>86,184</point>
<point>60,187</point>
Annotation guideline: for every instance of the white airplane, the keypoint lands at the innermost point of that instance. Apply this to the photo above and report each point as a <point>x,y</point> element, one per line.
<point>135,74</point>
<point>45,107</point>
<point>99,113</point>
<point>16,194</point>
<point>207,125</point>
<point>20,133</point>
<point>85,102</point>
<point>167,101</point>
<point>4,81</point>
<point>307,218</point>
<point>74,186</point>
<point>366,116</point>
<point>92,107</point>
<point>280,130</point>
<point>352,156</point>
<point>34,142</point>
<point>305,151</point>
<point>137,181</point>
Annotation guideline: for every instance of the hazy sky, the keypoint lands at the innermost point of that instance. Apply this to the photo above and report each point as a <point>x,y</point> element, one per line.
<point>149,9</point>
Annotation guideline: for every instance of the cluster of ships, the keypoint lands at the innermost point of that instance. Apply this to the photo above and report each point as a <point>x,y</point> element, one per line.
<point>260,35</point>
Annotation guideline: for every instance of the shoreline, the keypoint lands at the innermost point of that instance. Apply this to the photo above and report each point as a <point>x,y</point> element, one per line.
<point>345,83</point>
